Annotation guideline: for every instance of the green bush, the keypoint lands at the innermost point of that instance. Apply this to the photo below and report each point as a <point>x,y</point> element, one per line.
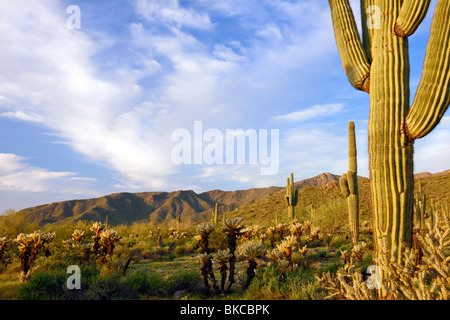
<point>190,281</point>
<point>297,285</point>
<point>146,283</point>
<point>44,286</point>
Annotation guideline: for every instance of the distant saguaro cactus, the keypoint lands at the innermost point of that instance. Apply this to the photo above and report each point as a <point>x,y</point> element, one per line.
<point>291,197</point>
<point>349,185</point>
<point>216,214</point>
<point>379,65</point>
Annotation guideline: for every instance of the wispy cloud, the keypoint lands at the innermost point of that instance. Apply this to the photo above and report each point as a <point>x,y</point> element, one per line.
<point>17,175</point>
<point>311,113</point>
<point>170,13</point>
<point>20,115</point>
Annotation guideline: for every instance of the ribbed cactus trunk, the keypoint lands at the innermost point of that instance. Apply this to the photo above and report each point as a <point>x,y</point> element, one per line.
<point>349,185</point>
<point>216,214</point>
<point>379,65</point>
<point>291,197</point>
<point>391,153</point>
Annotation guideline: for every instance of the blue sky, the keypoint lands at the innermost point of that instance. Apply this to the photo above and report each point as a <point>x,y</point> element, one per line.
<point>88,112</point>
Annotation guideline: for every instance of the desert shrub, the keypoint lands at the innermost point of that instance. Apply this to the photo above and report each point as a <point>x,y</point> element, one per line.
<point>331,217</point>
<point>13,223</point>
<point>47,285</point>
<point>189,281</point>
<point>185,249</point>
<point>64,255</point>
<point>52,285</point>
<point>295,286</point>
<point>147,283</point>
<point>112,286</point>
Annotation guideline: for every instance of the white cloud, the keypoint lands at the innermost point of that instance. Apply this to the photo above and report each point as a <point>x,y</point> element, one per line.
<point>169,12</point>
<point>20,115</point>
<point>17,175</point>
<point>311,113</point>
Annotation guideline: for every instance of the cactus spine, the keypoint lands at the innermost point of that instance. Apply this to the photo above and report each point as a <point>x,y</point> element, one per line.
<point>349,185</point>
<point>291,197</point>
<point>379,65</point>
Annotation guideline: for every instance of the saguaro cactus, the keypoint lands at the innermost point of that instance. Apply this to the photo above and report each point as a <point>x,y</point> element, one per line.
<point>379,65</point>
<point>215,214</point>
<point>420,204</point>
<point>291,197</point>
<point>349,185</point>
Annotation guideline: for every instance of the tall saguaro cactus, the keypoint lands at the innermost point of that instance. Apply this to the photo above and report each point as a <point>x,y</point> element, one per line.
<point>349,185</point>
<point>291,197</point>
<point>215,214</point>
<point>379,65</point>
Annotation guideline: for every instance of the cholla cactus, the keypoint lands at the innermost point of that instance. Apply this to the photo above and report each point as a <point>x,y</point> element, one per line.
<point>233,228</point>
<point>262,237</point>
<point>401,281</point>
<point>358,251</point>
<point>282,267</point>
<point>345,256</point>
<point>177,235</point>
<point>307,226</point>
<point>315,233</point>
<point>205,260</point>
<point>281,228</point>
<point>274,255</point>
<point>4,243</point>
<point>249,252</point>
<point>250,232</point>
<point>297,230</point>
<point>287,247</point>
<point>98,228</point>
<point>347,284</point>
<point>222,258</point>
<point>29,247</point>
<point>204,230</point>
<point>271,233</point>
<point>77,235</point>
<point>429,281</point>
<point>303,250</point>
<point>108,238</point>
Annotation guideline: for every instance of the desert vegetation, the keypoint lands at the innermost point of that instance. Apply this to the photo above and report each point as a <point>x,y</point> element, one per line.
<point>309,256</point>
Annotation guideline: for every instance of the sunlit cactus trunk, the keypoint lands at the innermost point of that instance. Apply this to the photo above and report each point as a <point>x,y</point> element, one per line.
<point>291,197</point>
<point>379,65</point>
<point>215,214</point>
<point>390,151</point>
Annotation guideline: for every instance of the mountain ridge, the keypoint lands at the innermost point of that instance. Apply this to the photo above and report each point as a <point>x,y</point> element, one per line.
<point>162,207</point>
